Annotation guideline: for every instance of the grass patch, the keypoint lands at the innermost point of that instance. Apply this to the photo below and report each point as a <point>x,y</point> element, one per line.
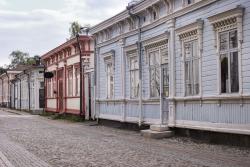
<point>68,117</point>
<point>47,114</point>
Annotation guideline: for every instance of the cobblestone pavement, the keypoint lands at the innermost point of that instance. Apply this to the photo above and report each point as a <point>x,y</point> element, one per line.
<point>35,141</point>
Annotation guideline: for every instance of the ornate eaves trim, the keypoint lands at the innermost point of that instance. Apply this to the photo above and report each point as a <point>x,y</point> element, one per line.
<point>226,20</point>
<point>109,55</point>
<point>190,31</point>
<point>156,41</point>
<point>131,48</point>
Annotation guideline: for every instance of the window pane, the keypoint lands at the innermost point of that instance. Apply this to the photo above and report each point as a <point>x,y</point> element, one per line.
<point>188,50</point>
<point>188,78</point>
<point>164,55</point>
<point>234,72</point>
<point>233,39</point>
<point>224,74</point>
<point>165,75</point>
<point>196,76</point>
<point>223,41</point>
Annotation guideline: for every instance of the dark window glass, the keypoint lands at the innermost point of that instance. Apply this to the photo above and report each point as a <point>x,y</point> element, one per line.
<point>234,72</point>
<point>224,74</point>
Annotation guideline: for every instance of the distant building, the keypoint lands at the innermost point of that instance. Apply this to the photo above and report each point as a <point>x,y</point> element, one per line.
<point>27,90</point>
<point>5,85</point>
<point>63,90</point>
<point>181,63</point>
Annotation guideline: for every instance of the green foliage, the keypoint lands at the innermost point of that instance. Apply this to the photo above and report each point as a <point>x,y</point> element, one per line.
<point>21,58</point>
<point>75,28</point>
<point>2,70</point>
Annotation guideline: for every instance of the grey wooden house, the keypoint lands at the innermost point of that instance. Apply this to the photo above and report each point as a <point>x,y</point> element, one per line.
<point>180,63</point>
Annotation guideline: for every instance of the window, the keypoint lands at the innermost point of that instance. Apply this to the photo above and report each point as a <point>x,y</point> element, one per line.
<point>70,82</point>
<point>228,50</point>
<point>228,31</point>
<point>165,71</point>
<point>41,84</point>
<point>54,91</point>
<point>49,90</point>
<point>188,2</point>
<point>154,73</point>
<point>77,81</point>
<point>191,68</point>
<point>134,76</point>
<point>154,15</point>
<point>110,80</point>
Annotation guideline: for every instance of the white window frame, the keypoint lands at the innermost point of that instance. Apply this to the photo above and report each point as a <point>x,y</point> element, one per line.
<point>109,60</point>
<point>133,55</point>
<point>157,47</point>
<point>223,22</point>
<point>192,59</point>
<point>109,74</point>
<point>70,82</point>
<point>189,33</point>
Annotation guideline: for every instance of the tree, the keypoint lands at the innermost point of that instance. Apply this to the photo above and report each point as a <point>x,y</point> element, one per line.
<point>75,28</point>
<point>2,70</point>
<point>20,58</point>
<point>17,58</point>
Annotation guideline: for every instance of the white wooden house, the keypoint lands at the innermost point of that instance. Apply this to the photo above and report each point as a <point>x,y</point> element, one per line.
<point>181,63</point>
<point>27,90</point>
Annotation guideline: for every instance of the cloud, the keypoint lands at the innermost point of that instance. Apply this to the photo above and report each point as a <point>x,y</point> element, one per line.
<point>3,3</point>
<point>40,29</point>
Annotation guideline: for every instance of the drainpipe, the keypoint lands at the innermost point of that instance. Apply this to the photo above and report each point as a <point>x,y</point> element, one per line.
<point>81,75</point>
<point>2,91</point>
<point>14,99</point>
<point>28,75</point>
<point>139,45</point>
<point>95,72</point>
<point>8,88</point>
<point>20,92</point>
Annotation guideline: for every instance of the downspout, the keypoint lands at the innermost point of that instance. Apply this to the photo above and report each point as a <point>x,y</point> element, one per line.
<point>20,92</point>
<point>81,75</point>
<point>139,45</point>
<point>95,72</point>
<point>8,88</point>
<point>2,91</point>
<point>14,95</point>
<point>28,75</point>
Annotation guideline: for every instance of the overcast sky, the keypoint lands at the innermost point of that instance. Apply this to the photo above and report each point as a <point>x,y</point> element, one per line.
<point>37,26</point>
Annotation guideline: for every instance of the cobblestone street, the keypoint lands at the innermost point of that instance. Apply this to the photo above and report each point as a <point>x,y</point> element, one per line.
<point>34,141</point>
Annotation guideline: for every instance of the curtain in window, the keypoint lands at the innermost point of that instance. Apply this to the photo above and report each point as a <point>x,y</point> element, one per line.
<point>191,68</point>
<point>134,77</point>
<point>154,72</point>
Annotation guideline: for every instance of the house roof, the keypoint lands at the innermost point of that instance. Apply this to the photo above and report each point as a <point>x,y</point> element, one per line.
<point>65,45</point>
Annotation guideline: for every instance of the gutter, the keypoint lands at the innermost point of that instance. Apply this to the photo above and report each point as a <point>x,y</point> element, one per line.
<point>28,75</point>
<point>139,46</point>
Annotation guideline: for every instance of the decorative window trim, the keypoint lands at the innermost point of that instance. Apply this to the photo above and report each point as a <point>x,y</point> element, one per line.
<point>156,44</point>
<point>130,54</point>
<point>226,21</point>
<point>188,33</point>
<point>152,43</point>
<point>109,58</point>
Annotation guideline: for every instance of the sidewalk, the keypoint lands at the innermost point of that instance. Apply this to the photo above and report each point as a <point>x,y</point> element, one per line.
<point>4,162</point>
<point>13,155</point>
<point>17,112</point>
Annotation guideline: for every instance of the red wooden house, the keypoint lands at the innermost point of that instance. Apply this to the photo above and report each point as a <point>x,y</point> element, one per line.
<point>63,90</point>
